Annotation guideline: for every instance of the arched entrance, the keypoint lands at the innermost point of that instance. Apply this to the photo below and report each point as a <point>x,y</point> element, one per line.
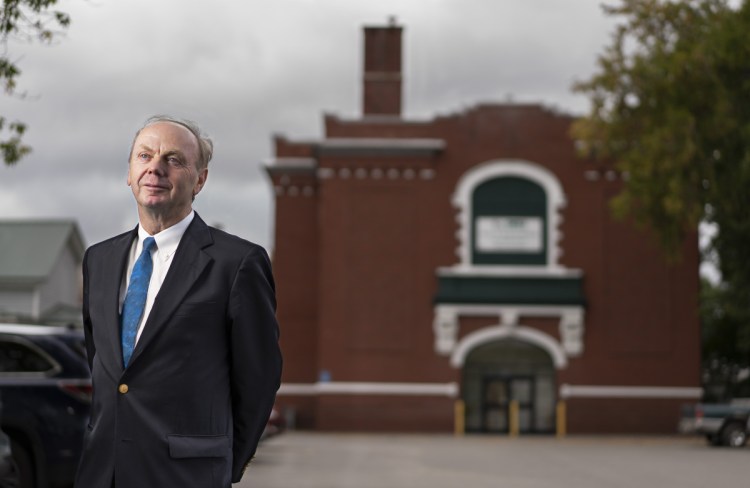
<point>499,372</point>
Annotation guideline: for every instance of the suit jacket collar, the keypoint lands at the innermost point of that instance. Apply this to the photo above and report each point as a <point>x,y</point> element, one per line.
<point>188,264</point>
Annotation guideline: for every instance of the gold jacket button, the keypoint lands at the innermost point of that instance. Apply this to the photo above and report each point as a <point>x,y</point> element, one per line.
<point>123,388</point>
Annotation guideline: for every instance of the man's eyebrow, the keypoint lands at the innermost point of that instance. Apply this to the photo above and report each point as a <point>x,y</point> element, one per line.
<point>171,152</point>
<point>175,152</point>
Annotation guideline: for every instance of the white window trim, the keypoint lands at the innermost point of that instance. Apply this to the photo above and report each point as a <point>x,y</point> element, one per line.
<point>508,168</point>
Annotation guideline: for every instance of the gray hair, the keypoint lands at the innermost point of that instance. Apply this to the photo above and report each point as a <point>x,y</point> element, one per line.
<point>205,144</point>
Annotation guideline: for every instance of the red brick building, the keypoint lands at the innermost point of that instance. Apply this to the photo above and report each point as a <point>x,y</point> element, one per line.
<point>470,258</point>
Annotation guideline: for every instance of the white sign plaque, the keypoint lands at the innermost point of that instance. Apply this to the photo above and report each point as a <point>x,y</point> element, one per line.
<point>509,234</point>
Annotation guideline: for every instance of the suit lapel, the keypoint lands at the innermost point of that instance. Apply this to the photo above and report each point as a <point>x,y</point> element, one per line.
<point>187,266</point>
<point>116,260</point>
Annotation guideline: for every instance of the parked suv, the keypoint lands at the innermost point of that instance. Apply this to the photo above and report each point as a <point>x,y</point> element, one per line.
<point>45,392</point>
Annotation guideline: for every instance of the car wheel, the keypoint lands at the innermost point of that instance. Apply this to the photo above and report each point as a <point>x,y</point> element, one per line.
<point>734,435</point>
<point>24,465</point>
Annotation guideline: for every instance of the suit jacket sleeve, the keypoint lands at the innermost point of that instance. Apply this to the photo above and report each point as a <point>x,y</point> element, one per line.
<point>88,337</point>
<point>255,355</point>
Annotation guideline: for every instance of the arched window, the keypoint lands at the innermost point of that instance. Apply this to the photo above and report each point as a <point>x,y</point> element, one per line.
<point>509,213</point>
<point>510,222</point>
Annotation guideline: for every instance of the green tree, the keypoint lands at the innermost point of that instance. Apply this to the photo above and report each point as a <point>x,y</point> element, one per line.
<point>24,20</point>
<point>670,105</point>
<point>725,343</point>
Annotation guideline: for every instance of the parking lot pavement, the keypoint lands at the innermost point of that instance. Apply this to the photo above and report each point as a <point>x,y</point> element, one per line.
<point>318,460</point>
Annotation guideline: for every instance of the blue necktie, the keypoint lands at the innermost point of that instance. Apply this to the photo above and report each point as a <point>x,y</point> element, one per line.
<point>135,299</point>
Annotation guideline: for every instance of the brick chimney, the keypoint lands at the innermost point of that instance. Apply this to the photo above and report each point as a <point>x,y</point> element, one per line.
<point>382,73</point>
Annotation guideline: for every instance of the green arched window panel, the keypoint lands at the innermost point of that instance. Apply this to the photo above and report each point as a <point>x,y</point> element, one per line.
<point>509,225</point>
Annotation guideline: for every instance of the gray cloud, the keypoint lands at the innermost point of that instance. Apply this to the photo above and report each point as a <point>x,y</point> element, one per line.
<point>247,69</point>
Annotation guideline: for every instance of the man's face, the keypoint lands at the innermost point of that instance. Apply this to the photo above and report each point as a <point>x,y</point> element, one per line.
<point>163,173</point>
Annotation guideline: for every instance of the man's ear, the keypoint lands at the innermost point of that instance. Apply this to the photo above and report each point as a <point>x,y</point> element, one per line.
<point>202,177</point>
<point>128,169</point>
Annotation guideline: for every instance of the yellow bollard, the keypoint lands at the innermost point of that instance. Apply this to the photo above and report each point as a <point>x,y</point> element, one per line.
<point>515,424</point>
<point>562,424</point>
<point>459,418</point>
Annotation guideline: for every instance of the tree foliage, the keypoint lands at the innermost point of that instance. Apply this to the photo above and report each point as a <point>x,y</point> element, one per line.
<point>670,105</point>
<point>22,20</point>
<point>725,342</point>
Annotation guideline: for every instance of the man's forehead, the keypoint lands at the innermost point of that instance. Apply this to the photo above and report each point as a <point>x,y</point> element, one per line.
<point>164,131</point>
<point>166,128</point>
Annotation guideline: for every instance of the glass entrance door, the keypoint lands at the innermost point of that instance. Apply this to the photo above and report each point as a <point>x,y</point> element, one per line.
<point>498,372</point>
<point>498,392</point>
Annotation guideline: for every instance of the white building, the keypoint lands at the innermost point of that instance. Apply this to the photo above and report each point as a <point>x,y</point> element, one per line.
<point>40,271</point>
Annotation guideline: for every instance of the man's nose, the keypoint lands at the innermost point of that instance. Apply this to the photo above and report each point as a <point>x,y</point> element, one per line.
<point>156,165</point>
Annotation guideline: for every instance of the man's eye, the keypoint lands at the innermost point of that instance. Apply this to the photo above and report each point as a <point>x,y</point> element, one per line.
<point>174,160</point>
<point>144,156</point>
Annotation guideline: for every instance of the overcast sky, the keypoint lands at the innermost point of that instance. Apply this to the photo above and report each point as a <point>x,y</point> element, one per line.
<point>246,69</point>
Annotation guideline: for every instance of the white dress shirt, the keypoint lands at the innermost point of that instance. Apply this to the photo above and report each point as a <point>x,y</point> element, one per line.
<point>166,245</point>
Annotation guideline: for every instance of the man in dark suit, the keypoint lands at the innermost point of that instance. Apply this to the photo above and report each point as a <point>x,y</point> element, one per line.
<point>180,329</point>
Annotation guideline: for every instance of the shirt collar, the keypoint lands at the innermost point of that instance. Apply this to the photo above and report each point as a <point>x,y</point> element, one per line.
<point>168,239</point>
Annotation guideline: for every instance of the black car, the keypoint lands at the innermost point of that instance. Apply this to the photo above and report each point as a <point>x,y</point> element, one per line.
<point>45,391</point>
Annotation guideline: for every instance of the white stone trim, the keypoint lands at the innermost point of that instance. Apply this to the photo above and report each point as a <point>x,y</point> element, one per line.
<point>381,142</point>
<point>298,389</point>
<point>294,190</point>
<point>510,271</point>
<point>591,175</point>
<point>369,388</point>
<point>382,76</point>
<point>571,331</point>
<point>499,168</point>
<point>291,163</point>
<point>379,172</point>
<point>499,332</point>
<point>602,391</point>
<point>445,327</point>
<point>427,174</point>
